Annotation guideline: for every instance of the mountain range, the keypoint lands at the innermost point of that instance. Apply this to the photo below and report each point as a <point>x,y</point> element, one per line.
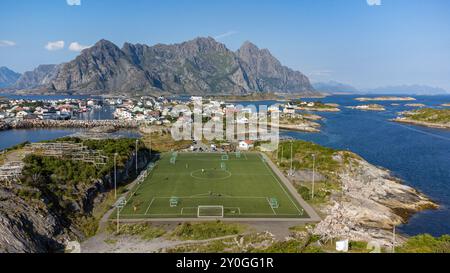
<point>8,77</point>
<point>415,89</point>
<point>334,87</point>
<point>200,66</point>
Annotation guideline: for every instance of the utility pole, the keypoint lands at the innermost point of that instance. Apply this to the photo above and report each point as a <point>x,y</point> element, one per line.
<point>137,156</point>
<point>120,204</point>
<point>115,176</point>
<point>313,176</point>
<point>291,158</point>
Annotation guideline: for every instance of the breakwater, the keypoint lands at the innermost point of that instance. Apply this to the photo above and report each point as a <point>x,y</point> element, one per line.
<point>85,124</point>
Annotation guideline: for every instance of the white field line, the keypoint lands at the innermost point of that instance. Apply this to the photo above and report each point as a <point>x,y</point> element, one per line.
<point>238,208</point>
<point>149,206</point>
<point>140,184</point>
<point>199,197</point>
<point>268,201</point>
<point>276,179</point>
<point>186,208</point>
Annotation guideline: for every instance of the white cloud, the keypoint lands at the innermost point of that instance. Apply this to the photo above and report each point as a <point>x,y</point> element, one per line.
<point>52,46</point>
<point>224,35</point>
<point>374,2</point>
<point>74,2</point>
<point>5,43</point>
<point>75,46</point>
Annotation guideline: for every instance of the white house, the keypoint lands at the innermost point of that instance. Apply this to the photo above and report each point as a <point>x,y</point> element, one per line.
<point>289,110</point>
<point>245,144</point>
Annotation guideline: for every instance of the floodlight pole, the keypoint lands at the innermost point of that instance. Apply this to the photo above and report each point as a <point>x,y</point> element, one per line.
<point>291,158</point>
<point>115,176</point>
<point>313,176</point>
<point>118,212</point>
<point>137,156</point>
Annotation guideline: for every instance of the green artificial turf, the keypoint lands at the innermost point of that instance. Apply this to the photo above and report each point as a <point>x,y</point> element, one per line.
<point>243,185</point>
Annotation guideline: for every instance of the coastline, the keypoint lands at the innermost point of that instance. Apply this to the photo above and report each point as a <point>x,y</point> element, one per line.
<point>421,123</point>
<point>313,109</point>
<point>85,124</point>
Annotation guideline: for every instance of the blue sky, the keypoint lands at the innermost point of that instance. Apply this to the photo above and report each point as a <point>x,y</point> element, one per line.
<point>396,42</point>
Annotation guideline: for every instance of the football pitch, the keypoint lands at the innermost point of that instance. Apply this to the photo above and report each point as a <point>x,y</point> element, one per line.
<point>211,185</point>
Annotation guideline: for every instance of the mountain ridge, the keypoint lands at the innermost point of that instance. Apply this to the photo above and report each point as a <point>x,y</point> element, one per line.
<point>196,67</point>
<point>8,77</point>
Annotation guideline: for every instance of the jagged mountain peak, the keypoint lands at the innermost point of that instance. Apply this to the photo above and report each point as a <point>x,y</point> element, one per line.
<point>198,66</point>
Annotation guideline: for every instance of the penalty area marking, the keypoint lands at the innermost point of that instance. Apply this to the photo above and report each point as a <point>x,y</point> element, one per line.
<point>268,201</point>
<point>149,205</point>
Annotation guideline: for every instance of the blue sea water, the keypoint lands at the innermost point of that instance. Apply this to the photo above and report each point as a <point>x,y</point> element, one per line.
<point>420,156</point>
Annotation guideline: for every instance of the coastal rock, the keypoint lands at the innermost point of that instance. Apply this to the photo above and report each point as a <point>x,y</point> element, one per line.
<point>29,225</point>
<point>371,204</point>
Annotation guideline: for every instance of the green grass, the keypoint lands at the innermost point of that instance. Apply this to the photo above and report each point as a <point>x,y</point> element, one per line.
<point>426,244</point>
<point>243,189</point>
<point>144,231</point>
<point>430,115</point>
<point>206,230</point>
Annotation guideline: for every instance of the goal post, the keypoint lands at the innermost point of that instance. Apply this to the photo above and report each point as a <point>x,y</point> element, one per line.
<point>274,203</point>
<point>173,201</point>
<point>210,212</point>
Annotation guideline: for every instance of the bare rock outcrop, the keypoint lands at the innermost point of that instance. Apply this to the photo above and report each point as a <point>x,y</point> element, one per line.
<point>371,204</point>
<point>37,224</point>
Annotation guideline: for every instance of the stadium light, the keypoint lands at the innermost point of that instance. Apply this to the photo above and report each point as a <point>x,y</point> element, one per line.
<point>115,176</point>
<point>314,175</point>
<point>292,172</point>
<point>137,140</point>
<point>119,205</point>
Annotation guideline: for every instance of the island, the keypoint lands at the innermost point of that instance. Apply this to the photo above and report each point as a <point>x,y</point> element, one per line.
<point>316,106</point>
<point>415,105</point>
<point>298,122</point>
<point>387,98</point>
<point>446,104</point>
<point>434,118</point>
<point>368,107</point>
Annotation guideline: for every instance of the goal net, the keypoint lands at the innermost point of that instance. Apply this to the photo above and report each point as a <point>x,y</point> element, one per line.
<point>210,212</point>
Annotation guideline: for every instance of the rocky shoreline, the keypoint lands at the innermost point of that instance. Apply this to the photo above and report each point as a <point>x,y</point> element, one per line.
<point>421,123</point>
<point>371,204</point>
<point>368,107</point>
<point>315,109</point>
<point>386,98</point>
<point>309,127</point>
